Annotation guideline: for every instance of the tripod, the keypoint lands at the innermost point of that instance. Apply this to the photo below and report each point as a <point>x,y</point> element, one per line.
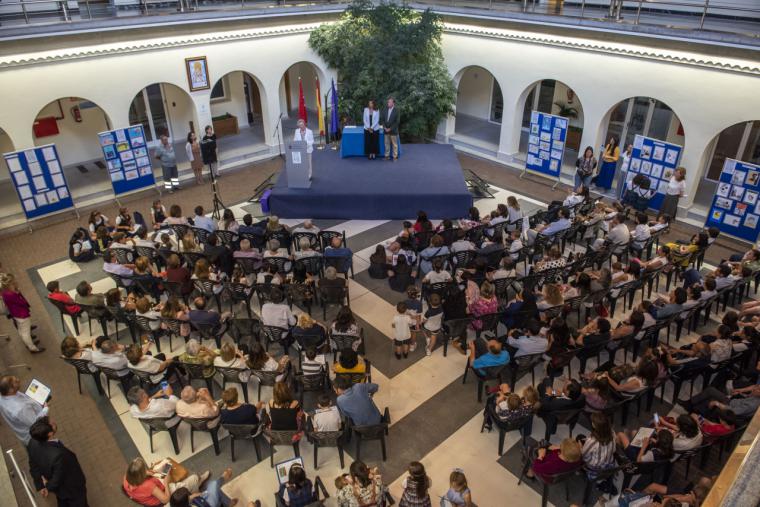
<point>217,201</point>
<point>277,133</point>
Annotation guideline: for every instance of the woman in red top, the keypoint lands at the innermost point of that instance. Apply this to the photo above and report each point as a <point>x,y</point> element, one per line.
<point>556,460</point>
<point>18,309</point>
<point>146,487</point>
<point>177,273</point>
<point>725,425</point>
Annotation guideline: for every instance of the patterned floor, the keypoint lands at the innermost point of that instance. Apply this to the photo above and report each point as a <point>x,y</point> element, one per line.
<point>435,418</point>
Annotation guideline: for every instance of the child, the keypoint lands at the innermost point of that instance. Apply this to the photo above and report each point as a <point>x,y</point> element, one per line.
<point>415,486</point>
<point>401,336</point>
<point>327,416</point>
<point>458,494</point>
<point>313,363</point>
<point>433,322</point>
<point>157,214</point>
<point>414,310</point>
<point>509,406</point>
<point>530,397</point>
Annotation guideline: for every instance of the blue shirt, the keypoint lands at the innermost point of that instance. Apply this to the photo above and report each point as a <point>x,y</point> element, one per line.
<point>357,404</point>
<point>204,223</point>
<point>345,253</point>
<point>20,412</point>
<point>487,360</point>
<point>556,226</point>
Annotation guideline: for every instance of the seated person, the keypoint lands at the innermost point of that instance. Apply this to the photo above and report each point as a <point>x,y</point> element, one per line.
<point>506,269</point>
<point>660,260</point>
<point>551,296</point>
<point>549,230</point>
<point>284,410</point>
<point>355,401</point>
<point>260,360</point>
<point>56,294</point>
<point>109,354</point>
<point>485,355</point>
<point>198,405</point>
<point>528,341</point>
<point>146,486</point>
<point>462,244</point>
<point>553,460</point>
<point>686,432</point>
<point>305,250</point>
<point>509,406</point>
<point>140,360</point>
<point>230,357</point>
<point>436,274</point>
<point>313,363</point>
<point>644,376</point>
<point>726,423</point>
<point>309,333</point>
<point>246,252</point>
<point>436,248</point>
<point>80,247</point>
<point>235,412</point>
<point>209,318</point>
<point>162,404</point>
<point>298,490</point>
<point>276,312</point>
<point>592,334</point>
<point>327,416</point>
<point>552,259</point>
<point>337,255</point>
<point>681,361</point>
<point>641,234</point>
<point>655,448</point>
<point>378,263</point>
<point>195,353</point>
<point>662,309</point>
<point>681,254</point>
<point>742,402</point>
<point>569,397</point>
<point>349,362</point>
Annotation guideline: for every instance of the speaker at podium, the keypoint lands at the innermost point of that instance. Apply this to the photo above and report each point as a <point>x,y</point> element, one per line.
<point>298,165</point>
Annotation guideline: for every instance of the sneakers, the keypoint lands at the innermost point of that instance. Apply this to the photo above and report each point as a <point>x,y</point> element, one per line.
<point>413,346</point>
<point>204,477</point>
<point>398,356</point>
<point>428,351</point>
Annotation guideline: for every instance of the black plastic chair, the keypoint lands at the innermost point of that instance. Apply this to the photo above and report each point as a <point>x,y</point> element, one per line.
<point>112,374</point>
<point>312,237</point>
<point>202,425</point>
<point>452,329</point>
<point>556,418</point>
<point>282,264</point>
<point>82,367</point>
<point>232,376</point>
<point>523,364</point>
<point>281,437</point>
<point>127,318</point>
<point>197,372</point>
<point>372,432</point>
<point>551,480</point>
<point>124,255</point>
<point>274,334</point>
<point>62,311</point>
<point>157,425</point>
<point>326,439</point>
<point>521,424</point>
<point>311,383</point>
<point>491,373</point>
<point>209,331</point>
<point>346,341</point>
<point>142,325</point>
<point>326,237</point>
<point>244,432</point>
<point>201,235</point>
<point>206,289</point>
<point>172,328</point>
<point>336,296</point>
<point>227,238</point>
<point>312,265</point>
<point>268,378</point>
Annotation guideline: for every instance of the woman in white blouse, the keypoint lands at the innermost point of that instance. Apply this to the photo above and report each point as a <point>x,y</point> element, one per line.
<point>514,212</point>
<point>676,189</point>
<point>371,119</point>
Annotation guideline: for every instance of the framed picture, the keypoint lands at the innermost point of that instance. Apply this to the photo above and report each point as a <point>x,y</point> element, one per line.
<point>197,73</point>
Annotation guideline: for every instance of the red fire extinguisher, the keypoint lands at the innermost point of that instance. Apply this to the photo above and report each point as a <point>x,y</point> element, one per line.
<point>77,114</point>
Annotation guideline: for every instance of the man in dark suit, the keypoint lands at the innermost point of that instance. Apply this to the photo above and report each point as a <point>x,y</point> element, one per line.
<point>570,397</point>
<point>391,119</point>
<point>202,317</point>
<point>54,468</point>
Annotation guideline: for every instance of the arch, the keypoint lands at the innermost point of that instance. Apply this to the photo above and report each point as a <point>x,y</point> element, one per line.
<point>740,141</point>
<point>479,107</point>
<point>164,109</point>
<point>242,95</point>
<point>288,91</point>
<point>9,203</point>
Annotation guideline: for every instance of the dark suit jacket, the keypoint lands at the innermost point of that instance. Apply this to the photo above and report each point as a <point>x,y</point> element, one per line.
<point>394,120</point>
<point>59,466</point>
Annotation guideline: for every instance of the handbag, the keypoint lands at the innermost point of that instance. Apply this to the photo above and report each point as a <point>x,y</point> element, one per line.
<point>178,473</point>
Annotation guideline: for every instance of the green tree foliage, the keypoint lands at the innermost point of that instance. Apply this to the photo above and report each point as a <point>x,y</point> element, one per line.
<point>389,50</point>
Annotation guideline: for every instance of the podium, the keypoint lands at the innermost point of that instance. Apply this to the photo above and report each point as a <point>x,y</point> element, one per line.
<point>297,165</point>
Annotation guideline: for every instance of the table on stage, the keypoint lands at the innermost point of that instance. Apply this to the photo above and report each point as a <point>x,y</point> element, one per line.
<point>352,143</point>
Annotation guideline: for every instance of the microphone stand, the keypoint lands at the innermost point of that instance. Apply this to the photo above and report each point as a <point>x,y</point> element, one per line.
<point>277,133</point>
<point>217,203</point>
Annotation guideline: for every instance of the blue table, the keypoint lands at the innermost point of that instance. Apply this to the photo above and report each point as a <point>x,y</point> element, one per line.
<point>352,143</point>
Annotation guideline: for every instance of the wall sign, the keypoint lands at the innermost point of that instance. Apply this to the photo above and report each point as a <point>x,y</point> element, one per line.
<point>128,159</point>
<point>38,176</point>
<point>546,143</point>
<point>735,208</point>
<point>657,160</point>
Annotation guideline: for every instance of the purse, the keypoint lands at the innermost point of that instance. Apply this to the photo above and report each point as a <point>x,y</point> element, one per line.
<point>178,473</point>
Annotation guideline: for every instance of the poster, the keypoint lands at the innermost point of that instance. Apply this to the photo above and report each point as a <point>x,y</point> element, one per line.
<point>127,158</point>
<point>40,183</point>
<point>546,144</point>
<point>657,160</point>
<point>734,208</point>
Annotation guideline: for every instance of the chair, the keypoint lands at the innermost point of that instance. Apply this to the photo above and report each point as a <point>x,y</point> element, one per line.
<point>62,311</point>
<point>312,265</point>
<point>143,326</point>
<point>192,257</point>
<point>301,294</point>
<point>257,240</point>
<point>173,327</point>
<point>346,341</point>
<point>372,432</point>
<point>208,331</point>
<point>145,378</point>
<point>283,264</point>
<point>240,328</point>
<point>232,375</point>
<point>626,292</point>
<point>227,238</point>
<point>463,258</point>
<point>124,255</point>
<point>489,323</point>
<point>490,373</point>
<point>282,236</point>
<point>521,424</point>
<point>600,475</point>
<point>180,230</point>
<point>241,293</point>
<point>358,378</point>
<point>244,432</point>
<point>524,364</point>
<point>337,296</point>
<point>325,237</point>
<point>201,235</point>
<point>112,374</point>
<point>281,437</point>
<point>196,372</point>
<point>655,469</point>
<point>551,480</point>
<point>206,289</point>
<point>501,288</point>
<point>82,367</point>
<point>452,329</point>
<point>557,417</point>
<point>249,265</point>
<point>264,292</point>
<point>157,425</point>
<point>268,378</point>
<point>703,451</point>
<point>175,289</point>
<point>202,425</point>
<point>342,264</point>
<point>274,334</point>
<point>149,252</point>
<point>313,238</point>
<point>326,439</point>
<point>313,383</point>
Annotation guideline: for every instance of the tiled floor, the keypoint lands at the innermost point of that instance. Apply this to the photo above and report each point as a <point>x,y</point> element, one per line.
<point>434,417</point>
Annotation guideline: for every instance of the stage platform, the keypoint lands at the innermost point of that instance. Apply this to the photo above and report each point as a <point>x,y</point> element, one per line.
<point>426,177</point>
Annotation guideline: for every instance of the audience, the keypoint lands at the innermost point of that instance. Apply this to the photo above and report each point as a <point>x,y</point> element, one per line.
<point>198,405</point>
<point>19,411</point>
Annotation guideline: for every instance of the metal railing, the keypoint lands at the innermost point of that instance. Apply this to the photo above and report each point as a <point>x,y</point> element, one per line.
<point>712,15</point>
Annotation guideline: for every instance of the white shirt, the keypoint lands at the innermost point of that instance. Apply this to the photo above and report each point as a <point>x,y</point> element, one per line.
<point>390,110</point>
<point>401,323</point>
<point>20,412</point>
<point>158,407</point>
<point>277,315</point>
<point>619,234</point>
<point>308,136</point>
<point>436,277</point>
<point>527,345</point>
<point>371,123</point>
<point>149,364</point>
<point>676,187</point>
<point>326,419</point>
<point>641,234</point>
<point>116,361</point>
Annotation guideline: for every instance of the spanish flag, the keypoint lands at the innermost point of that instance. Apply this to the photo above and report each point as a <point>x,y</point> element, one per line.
<point>320,115</point>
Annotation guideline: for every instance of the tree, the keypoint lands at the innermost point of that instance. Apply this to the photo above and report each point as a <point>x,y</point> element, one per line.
<point>389,50</point>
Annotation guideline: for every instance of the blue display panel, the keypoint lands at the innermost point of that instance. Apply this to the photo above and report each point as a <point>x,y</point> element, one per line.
<point>735,208</point>
<point>546,143</point>
<point>657,160</point>
<point>37,175</point>
<point>128,159</point>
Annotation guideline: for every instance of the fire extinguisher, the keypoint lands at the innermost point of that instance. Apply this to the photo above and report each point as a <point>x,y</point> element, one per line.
<point>77,114</point>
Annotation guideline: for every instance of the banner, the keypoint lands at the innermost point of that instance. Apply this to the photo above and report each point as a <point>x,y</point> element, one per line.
<point>735,208</point>
<point>128,159</point>
<point>657,160</point>
<point>38,177</point>
<point>546,143</point>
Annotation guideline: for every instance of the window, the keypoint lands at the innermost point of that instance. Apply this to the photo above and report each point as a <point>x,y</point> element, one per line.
<point>219,91</point>
<point>497,102</point>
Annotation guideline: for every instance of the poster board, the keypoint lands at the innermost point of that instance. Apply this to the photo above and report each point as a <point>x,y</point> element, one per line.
<point>128,159</point>
<point>657,160</point>
<point>37,175</point>
<point>546,143</point>
<point>735,208</point>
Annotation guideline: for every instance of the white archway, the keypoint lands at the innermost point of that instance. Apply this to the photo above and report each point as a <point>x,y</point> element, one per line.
<point>479,107</point>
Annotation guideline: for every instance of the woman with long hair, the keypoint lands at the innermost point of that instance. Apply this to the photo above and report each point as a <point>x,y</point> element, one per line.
<point>584,168</point>
<point>416,486</point>
<point>361,486</point>
<point>609,164</point>
<point>675,190</point>
<point>598,449</point>
<point>193,152</point>
<point>371,119</point>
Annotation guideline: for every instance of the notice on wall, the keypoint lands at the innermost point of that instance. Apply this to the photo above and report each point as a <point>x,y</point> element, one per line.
<point>735,208</point>
<point>657,160</point>
<point>546,143</point>
<point>127,159</point>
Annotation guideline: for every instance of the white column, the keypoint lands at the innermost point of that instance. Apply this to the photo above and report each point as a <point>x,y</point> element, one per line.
<point>270,112</point>
<point>694,158</point>
<point>511,124</point>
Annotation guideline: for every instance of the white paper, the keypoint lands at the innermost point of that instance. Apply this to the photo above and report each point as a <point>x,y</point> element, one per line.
<point>54,167</point>
<point>63,193</point>
<point>25,192</point>
<point>131,175</point>
<point>34,168</point>
<point>58,180</point>
<point>52,196</point>
<point>38,391</point>
<point>29,205</point>
<point>296,157</point>
<point>31,156</point>
<point>39,183</point>
<point>638,440</point>
<point>121,136</point>
<point>117,176</point>
<point>48,153</point>
<point>20,178</point>
<point>13,164</point>
<point>40,199</point>
<point>638,142</point>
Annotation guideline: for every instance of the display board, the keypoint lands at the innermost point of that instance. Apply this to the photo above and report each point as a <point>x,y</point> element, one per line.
<point>128,159</point>
<point>546,143</point>
<point>657,160</point>
<point>38,176</point>
<point>735,208</point>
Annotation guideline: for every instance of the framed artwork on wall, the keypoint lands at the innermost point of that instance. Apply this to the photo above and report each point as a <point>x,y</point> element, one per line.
<point>197,73</point>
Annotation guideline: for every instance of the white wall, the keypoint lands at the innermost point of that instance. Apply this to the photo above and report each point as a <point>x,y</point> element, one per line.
<point>5,146</point>
<point>234,101</point>
<point>180,108</point>
<point>474,93</point>
<point>76,141</point>
<point>560,95</point>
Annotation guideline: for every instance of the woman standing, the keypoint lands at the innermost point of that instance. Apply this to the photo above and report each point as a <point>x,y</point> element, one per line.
<point>626,157</point>
<point>193,150</point>
<point>371,118</point>
<point>675,190</point>
<point>584,168</point>
<point>609,163</point>
<point>18,309</point>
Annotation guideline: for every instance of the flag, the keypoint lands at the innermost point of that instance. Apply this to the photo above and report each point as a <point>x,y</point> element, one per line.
<point>319,111</point>
<point>334,113</point>
<point>301,102</point>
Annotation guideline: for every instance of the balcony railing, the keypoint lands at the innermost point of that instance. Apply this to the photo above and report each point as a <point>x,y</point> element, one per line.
<point>737,17</point>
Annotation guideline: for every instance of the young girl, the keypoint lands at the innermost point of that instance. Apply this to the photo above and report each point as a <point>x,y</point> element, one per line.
<point>401,333</point>
<point>157,214</point>
<point>416,486</point>
<point>459,494</point>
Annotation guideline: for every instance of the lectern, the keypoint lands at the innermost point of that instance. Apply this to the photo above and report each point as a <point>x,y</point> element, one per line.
<point>297,165</point>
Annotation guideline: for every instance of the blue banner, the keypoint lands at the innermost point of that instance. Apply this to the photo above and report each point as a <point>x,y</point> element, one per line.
<point>735,208</point>
<point>38,177</point>
<point>128,159</point>
<point>657,160</point>
<point>546,143</point>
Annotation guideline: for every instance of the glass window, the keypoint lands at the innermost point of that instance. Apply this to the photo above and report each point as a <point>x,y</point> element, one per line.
<point>617,120</point>
<point>752,149</point>
<point>726,146</point>
<point>546,96</point>
<point>157,111</point>
<point>218,91</point>
<point>528,108</point>
<point>497,102</point>
<point>661,119</point>
<point>138,115</point>
<point>637,120</point>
